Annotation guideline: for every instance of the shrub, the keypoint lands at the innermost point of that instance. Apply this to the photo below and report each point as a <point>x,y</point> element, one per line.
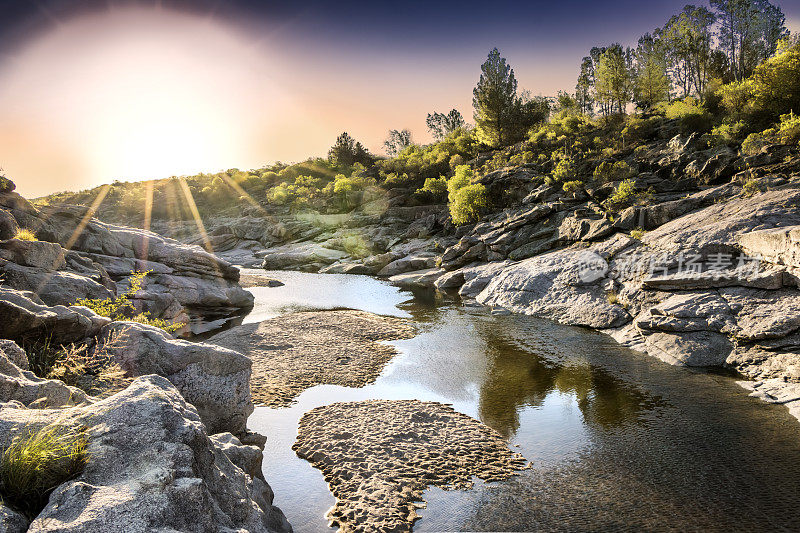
<point>121,308</point>
<point>25,234</point>
<point>38,461</point>
<point>466,203</point>
<point>564,171</point>
<point>436,187</point>
<point>625,195</point>
<point>756,141</point>
<point>728,134</point>
<point>572,186</point>
<point>789,129</point>
<point>641,129</point>
<point>752,187</point>
<point>461,178</point>
<point>396,180</point>
<point>608,171</point>
<point>692,115</point>
<point>637,233</point>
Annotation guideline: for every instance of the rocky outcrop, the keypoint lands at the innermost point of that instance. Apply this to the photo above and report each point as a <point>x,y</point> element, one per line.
<point>152,467</point>
<point>18,385</point>
<point>25,316</point>
<point>215,380</point>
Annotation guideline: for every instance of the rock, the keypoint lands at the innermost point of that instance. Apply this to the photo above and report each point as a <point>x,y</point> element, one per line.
<point>12,521</point>
<point>152,467</point>
<point>418,279</point>
<point>25,387</point>
<point>24,316</point>
<point>307,256</point>
<point>53,287</point>
<point>14,353</point>
<point>779,246</point>
<point>39,254</point>
<point>737,277</point>
<point>416,261</point>
<point>576,228</point>
<point>215,380</point>
<point>560,285</point>
<point>8,225</point>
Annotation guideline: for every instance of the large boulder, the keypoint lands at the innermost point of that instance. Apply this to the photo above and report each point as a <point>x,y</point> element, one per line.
<point>39,254</point>
<point>780,246</point>
<point>215,380</point>
<point>53,287</point>
<point>151,467</point>
<point>567,286</point>
<point>25,316</point>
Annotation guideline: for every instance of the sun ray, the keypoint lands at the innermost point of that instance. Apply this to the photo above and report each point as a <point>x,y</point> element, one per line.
<point>148,213</point>
<point>242,193</point>
<point>187,194</point>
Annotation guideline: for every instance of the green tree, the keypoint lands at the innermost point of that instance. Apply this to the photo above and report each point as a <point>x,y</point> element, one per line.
<point>493,100</point>
<point>652,84</point>
<point>585,85</point>
<point>346,151</point>
<point>749,31</point>
<point>614,83</point>
<point>441,125</point>
<point>397,141</point>
<point>687,40</point>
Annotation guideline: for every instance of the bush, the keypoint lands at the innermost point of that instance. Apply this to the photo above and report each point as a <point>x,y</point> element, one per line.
<point>642,129</point>
<point>466,203</point>
<point>692,115</point>
<point>752,187</point>
<point>462,178</point>
<point>121,308</point>
<point>728,134</point>
<point>756,141</point>
<point>637,233</point>
<point>625,195</point>
<point>25,234</point>
<point>789,129</point>
<point>436,187</point>
<point>38,461</point>
<point>572,186</point>
<point>564,171</point>
<point>608,171</point>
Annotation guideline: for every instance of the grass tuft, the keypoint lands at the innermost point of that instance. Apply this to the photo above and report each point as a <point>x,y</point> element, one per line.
<point>38,461</point>
<point>24,234</point>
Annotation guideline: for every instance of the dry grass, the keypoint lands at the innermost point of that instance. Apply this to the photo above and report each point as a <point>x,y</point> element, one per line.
<point>39,460</point>
<point>25,234</point>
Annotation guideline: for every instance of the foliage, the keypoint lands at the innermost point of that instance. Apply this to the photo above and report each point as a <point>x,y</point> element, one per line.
<point>625,195</point>
<point>752,187</point>
<point>692,115</point>
<point>466,203</point>
<point>564,171</point>
<point>420,162</point>
<point>493,100</point>
<point>728,134</point>
<point>641,129</point>
<point>24,234</point>
<point>651,84</point>
<point>397,141</point>
<point>612,171</point>
<point>436,187</point>
<point>572,186</point>
<point>441,125</point>
<point>346,151</point>
<point>613,81</point>
<point>687,38</point>
<point>637,233</point>
<point>121,308</point>
<point>37,461</point>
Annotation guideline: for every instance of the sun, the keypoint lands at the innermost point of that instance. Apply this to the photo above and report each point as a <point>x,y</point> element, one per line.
<point>137,94</point>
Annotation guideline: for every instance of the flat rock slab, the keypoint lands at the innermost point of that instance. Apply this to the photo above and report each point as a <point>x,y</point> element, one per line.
<point>378,456</point>
<point>294,352</point>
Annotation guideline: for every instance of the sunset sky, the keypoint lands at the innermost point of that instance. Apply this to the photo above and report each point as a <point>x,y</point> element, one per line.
<point>93,91</point>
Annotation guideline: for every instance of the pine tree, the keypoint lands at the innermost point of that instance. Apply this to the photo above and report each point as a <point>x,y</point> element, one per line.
<point>493,100</point>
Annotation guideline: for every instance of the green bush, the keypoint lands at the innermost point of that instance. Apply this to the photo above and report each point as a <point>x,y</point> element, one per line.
<point>728,134</point>
<point>564,171</point>
<point>789,129</point>
<point>121,308</point>
<point>692,115</point>
<point>612,171</point>
<point>466,203</point>
<point>752,187</point>
<point>572,186</point>
<point>39,460</point>
<point>625,195</point>
<point>25,234</point>
<point>436,187</point>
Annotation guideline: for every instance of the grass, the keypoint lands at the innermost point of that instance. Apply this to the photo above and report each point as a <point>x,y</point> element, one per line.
<point>24,234</point>
<point>613,297</point>
<point>38,461</point>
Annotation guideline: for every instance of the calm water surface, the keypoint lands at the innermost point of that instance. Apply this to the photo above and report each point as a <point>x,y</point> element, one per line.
<point>618,440</point>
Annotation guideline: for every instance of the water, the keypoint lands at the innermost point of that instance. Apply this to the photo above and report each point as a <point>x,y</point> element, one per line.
<point>619,441</point>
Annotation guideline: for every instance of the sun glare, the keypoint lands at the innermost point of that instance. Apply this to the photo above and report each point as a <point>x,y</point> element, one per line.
<point>143,94</point>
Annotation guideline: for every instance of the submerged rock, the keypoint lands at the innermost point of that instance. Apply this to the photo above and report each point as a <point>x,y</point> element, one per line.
<point>379,456</point>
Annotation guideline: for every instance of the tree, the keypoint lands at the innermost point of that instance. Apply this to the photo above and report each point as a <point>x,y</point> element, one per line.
<point>441,125</point>
<point>493,100</point>
<point>652,85</point>
<point>525,113</point>
<point>397,141</point>
<point>614,84</point>
<point>749,31</point>
<point>687,41</point>
<point>346,151</point>
<point>583,89</point>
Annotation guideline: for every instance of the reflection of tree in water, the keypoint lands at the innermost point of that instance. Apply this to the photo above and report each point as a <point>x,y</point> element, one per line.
<point>524,376</point>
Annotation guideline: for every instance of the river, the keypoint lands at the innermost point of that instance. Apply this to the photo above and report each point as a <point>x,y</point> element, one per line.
<point>618,440</point>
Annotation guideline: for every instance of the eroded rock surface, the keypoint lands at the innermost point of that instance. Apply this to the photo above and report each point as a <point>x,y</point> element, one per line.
<point>378,456</point>
<point>293,352</point>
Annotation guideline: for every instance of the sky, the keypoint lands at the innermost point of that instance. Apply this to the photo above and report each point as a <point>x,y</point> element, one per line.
<point>94,91</point>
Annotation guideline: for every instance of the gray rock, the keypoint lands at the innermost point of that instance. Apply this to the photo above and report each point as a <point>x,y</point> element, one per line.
<point>39,254</point>
<point>418,279</point>
<point>53,287</point>
<point>24,315</point>
<point>25,387</point>
<point>560,285</point>
<point>416,261</point>
<point>215,380</point>
<point>12,521</point>
<point>780,246</point>
<point>14,353</point>
<point>152,467</point>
